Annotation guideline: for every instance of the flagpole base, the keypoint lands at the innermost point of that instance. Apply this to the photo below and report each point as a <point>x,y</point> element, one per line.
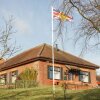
<point>53,95</point>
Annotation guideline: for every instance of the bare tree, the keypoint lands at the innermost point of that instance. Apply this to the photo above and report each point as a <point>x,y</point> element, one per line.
<point>7,47</point>
<point>89,26</point>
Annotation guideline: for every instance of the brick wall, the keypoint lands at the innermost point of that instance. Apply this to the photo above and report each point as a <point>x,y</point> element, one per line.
<point>43,75</point>
<point>42,69</point>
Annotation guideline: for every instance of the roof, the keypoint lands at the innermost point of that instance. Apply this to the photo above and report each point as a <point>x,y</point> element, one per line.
<point>2,60</point>
<point>44,52</point>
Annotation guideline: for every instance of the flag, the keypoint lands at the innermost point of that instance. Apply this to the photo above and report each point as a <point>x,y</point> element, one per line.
<point>61,15</point>
<point>56,14</point>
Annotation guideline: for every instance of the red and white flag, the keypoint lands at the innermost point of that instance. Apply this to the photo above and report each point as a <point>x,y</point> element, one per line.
<point>60,15</point>
<point>56,14</point>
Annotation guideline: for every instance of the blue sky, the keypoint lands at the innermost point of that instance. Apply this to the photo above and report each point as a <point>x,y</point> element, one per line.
<point>33,25</point>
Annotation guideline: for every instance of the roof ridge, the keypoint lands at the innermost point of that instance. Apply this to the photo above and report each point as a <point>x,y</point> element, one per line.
<point>41,50</point>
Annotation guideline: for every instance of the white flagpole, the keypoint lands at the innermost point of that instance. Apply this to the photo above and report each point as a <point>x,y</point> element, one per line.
<point>53,51</point>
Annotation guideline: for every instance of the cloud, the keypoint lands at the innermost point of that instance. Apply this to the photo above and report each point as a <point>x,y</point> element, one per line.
<point>5,13</point>
<point>22,26</point>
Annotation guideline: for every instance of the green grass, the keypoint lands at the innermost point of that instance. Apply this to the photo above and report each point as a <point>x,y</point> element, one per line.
<point>45,93</point>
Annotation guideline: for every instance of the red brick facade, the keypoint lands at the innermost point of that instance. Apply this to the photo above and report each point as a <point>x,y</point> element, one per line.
<point>43,75</point>
<point>42,69</point>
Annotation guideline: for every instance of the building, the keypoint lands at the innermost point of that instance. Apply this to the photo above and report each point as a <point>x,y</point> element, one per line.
<point>68,68</point>
<point>98,80</point>
<point>2,60</point>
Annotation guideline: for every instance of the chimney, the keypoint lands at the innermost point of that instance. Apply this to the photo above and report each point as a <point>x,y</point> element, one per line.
<point>56,46</point>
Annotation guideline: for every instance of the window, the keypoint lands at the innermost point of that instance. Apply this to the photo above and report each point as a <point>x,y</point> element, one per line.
<point>84,76</point>
<point>3,79</point>
<point>57,72</point>
<point>14,75</point>
<point>65,75</point>
<point>70,76</point>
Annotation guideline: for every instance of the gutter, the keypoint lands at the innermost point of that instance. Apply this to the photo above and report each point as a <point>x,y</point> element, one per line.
<point>50,60</point>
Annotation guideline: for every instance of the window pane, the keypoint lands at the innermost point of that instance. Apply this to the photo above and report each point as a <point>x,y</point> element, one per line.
<point>70,76</point>
<point>51,68</point>
<point>3,79</point>
<point>80,77</point>
<point>51,74</point>
<point>84,76</point>
<point>57,69</point>
<point>57,72</point>
<point>14,75</point>
<point>14,79</point>
<point>57,75</point>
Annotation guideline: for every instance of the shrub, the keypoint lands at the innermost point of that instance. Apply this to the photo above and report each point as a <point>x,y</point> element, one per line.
<point>28,78</point>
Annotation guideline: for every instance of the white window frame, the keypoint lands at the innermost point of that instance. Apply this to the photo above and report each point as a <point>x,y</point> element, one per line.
<point>84,76</point>
<point>3,79</point>
<point>57,72</point>
<point>14,75</point>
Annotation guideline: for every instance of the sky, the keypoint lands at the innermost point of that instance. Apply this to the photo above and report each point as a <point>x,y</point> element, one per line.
<point>32,22</point>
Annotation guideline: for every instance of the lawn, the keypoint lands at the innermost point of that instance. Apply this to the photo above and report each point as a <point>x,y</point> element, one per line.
<point>45,93</point>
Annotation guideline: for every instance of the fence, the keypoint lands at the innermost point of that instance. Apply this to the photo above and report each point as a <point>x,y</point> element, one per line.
<point>76,86</point>
<point>20,84</point>
<point>32,83</point>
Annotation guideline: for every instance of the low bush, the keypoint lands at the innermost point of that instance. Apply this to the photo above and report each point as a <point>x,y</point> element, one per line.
<point>27,79</point>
